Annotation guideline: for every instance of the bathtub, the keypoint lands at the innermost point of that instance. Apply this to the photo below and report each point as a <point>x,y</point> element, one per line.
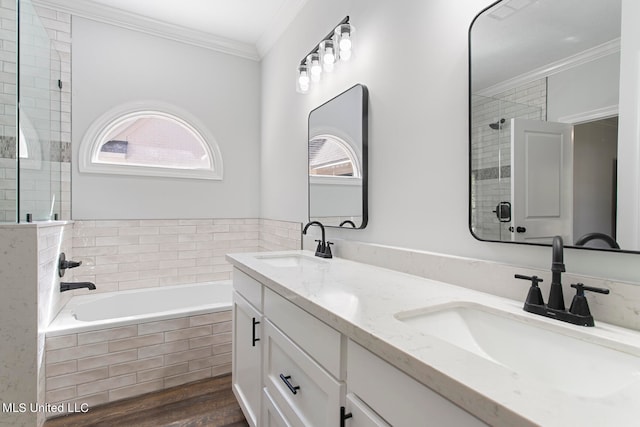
<point>105,347</point>
<point>94,312</point>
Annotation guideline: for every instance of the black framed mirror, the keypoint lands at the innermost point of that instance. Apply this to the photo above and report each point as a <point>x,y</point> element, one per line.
<point>337,160</point>
<point>545,114</point>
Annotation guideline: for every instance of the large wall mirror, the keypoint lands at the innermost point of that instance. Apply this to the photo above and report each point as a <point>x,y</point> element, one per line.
<point>545,115</point>
<point>338,160</point>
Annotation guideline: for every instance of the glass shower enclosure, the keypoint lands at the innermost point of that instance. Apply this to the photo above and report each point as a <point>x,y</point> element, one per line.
<point>491,163</point>
<point>34,160</point>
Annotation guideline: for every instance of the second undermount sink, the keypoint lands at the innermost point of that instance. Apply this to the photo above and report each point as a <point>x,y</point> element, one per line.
<point>559,360</point>
<point>288,261</point>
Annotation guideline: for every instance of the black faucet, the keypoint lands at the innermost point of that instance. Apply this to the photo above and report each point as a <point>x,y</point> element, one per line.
<point>348,221</point>
<point>67,286</point>
<point>64,263</point>
<point>556,299</point>
<point>324,248</point>
<point>578,313</point>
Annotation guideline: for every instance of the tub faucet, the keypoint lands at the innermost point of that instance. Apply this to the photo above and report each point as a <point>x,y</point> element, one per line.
<point>324,248</point>
<point>67,286</point>
<point>556,299</point>
<point>64,263</point>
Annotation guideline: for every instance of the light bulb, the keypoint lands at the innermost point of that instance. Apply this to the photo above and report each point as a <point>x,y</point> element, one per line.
<point>345,42</point>
<point>329,56</point>
<point>316,69</point>
<point>343,33</point>
<point>303,79</point>
<point>313,63</point>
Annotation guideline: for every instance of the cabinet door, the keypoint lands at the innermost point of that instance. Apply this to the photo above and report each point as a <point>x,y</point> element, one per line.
<point>247,358</point>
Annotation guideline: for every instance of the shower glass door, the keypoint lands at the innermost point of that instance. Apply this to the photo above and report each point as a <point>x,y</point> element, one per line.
<point>491,164</point>
<point>39,114</point>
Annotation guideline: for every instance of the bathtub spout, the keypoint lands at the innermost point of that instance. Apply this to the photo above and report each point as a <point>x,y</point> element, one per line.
<point>67,286</point>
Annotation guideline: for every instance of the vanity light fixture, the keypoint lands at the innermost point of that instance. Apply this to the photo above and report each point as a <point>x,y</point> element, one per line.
<point>335,47</point>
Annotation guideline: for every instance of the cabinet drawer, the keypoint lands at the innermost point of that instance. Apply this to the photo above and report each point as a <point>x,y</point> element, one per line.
<point>361,414</point>
<point>398,398</point>
<point>311,334</point>
<point>248,287</point>
<point>306,394</point>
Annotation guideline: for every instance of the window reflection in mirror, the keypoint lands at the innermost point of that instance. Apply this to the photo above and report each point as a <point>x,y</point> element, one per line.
<point>545,89</point>
<point>337,160</point>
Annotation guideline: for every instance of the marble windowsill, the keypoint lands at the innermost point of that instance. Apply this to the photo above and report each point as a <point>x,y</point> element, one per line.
<point>360,301</point>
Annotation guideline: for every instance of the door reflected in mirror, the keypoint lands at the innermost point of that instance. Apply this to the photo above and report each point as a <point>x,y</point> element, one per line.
<point>338,160</point>
<point>545,90</point>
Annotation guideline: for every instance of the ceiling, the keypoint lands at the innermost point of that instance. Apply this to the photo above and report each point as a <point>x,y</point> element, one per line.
<point>243,27</point>
<point>515,37</point>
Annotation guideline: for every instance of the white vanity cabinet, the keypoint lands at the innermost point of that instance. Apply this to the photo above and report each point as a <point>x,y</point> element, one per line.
<point>247,346</point>
<point>394,396</point>
<point>291,369</point>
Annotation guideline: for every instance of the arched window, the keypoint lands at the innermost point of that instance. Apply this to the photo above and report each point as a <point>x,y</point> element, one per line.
<point>150,139</point>
<point>330,155</point>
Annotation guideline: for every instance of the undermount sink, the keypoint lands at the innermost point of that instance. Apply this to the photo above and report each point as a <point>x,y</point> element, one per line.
<point>564,362</point>
<point>288,260</point>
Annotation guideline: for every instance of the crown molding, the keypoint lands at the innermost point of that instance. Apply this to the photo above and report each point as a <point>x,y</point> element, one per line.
<point>556,67</point>
<point>109,15</point>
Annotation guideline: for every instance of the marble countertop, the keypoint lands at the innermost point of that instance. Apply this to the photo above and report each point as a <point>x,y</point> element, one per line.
<point>360,301</point>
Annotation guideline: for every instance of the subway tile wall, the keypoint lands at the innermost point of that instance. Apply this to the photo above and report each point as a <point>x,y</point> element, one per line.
<point>45,108</point>
<point>93,368</point>
<point>491,151</point>
<point>122,255</point>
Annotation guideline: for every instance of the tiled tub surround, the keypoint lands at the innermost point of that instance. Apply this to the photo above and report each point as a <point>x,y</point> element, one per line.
<point>101,366</point>
<point>131,254</point>
<point>110,364</point>
<point>360,301</point>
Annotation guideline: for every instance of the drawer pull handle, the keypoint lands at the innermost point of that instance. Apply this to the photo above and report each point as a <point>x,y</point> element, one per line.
<point>253,336</point>
<point>344,416</point>
<point>294,389</point>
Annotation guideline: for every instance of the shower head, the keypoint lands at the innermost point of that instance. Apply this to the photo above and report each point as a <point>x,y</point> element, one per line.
<point>497,125</point>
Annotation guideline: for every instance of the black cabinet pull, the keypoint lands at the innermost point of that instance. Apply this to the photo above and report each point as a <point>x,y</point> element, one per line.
<point>253,337</point>
<point>294,389</point>
<point>344,416</point>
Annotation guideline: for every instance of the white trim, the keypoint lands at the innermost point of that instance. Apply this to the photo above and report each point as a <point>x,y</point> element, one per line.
<point>335,180</point>
<point>90,144</point>
<point>556,67</point>
<point>587,116</point>
<point>132,21</point>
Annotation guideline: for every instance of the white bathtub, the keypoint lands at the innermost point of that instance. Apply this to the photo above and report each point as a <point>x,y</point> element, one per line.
<point>107,310</point>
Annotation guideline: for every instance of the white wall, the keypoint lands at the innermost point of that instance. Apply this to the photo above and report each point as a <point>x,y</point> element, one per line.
<point>413,58</point>
<point>586,88</point>
<point>112,66</point>
<point>628,220</point>
<point>595,150</point>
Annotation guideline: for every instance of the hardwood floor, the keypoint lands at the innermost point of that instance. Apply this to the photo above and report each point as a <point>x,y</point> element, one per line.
<point>208,402</point>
